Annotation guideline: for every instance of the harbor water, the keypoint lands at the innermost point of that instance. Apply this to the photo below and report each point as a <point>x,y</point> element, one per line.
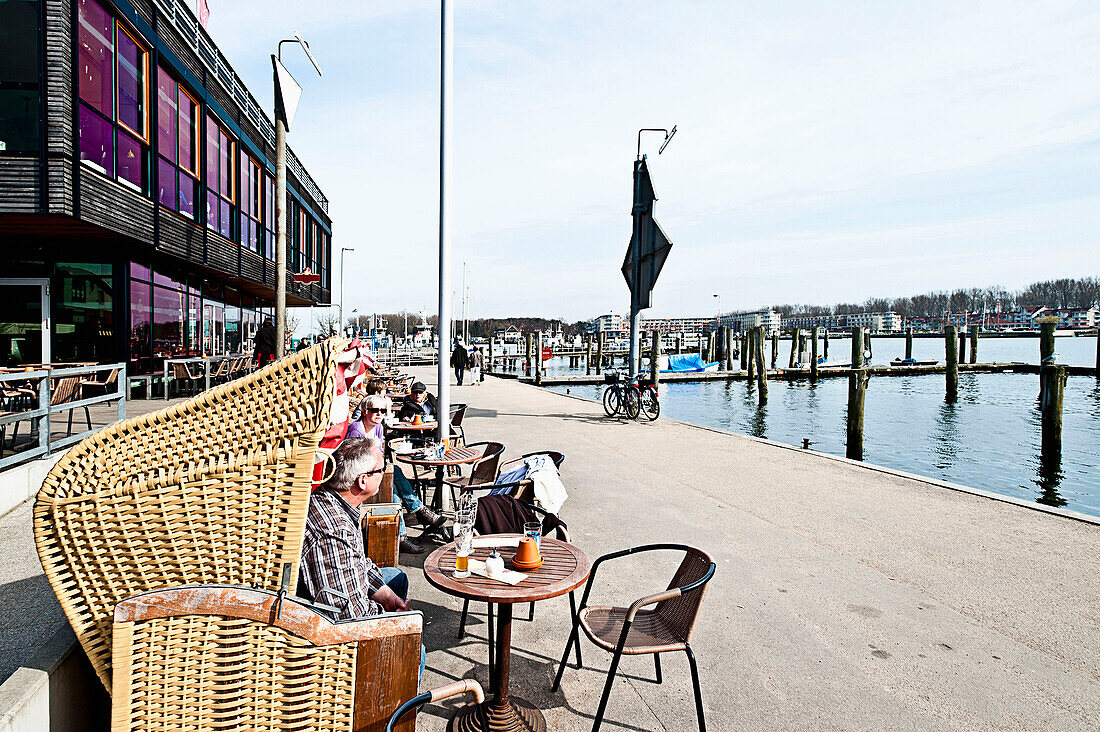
<point>989,439</point>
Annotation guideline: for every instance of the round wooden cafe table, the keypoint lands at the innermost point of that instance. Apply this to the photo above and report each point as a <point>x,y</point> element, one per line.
<point>564,568</point>
<point>454,456</point>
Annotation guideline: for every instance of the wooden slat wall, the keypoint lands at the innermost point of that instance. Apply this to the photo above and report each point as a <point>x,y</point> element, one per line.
<point>144,9</point>
<point>59,79</point>
<point>19,184</point>
<point>252,266</point>
<point>221,253</point>
<point>113,206</point>
<point>180,237</point>
<point>60,171</point>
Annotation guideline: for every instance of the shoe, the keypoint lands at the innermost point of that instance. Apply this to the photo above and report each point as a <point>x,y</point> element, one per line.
<point>408,546</point>
<point>425,516</point>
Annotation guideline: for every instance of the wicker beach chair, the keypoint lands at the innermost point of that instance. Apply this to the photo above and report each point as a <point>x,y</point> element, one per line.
<point>211,490</point>
<point>640,629</point>
<point>215,657</point>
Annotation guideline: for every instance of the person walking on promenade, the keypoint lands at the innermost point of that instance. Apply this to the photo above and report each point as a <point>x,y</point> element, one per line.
<point>460,358</point>
<point>476,362</point>
<point>265,343</point>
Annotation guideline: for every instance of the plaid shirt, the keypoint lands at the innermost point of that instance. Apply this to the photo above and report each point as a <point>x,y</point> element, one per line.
<point>335,568</point>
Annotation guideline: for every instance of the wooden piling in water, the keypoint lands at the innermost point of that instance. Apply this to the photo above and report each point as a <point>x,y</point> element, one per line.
<point>813,351</point>
<point>490,363</point>
<point>909,342</point>
<point>538,358</point>
<point>868,352</point>
<point>951,353</point>
<point>711,339</point>
<point>527,360</point>
<point>599,353</point>
<point>857,347</point>
<point>825,344</point>
<point>1046,338</point>
<point>729,352</point>
<point>962,344</point>
<point>857,397</point>
<point>750,354</point>
<point>761,370</point>
<point>973,344</point>
<point>794,348</point>
<point>1052,380</point>
<point>775,348</point>
<point>803,336</point>
<point>588,355</point>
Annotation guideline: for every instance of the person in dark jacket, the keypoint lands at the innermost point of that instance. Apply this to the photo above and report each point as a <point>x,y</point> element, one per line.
<point>265,343</point>
<point>419,401</point>
<point>460,358</point>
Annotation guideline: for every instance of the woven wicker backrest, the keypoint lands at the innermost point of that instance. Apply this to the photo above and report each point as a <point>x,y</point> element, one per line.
<point>681,612</point>
<point>487,469</point>
<point>211,657</point>
<point>211,490</point>
<point>64,390</point>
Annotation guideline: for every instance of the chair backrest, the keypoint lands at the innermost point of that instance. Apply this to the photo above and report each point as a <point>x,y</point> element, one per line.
<point>219,657</point>
<point>181,371</point>
<point>681,612</point>
<point>554,455</point>
<point>214,489</point>
<point>485,469</point>
<point>65,390</point>
<point>458,411</point>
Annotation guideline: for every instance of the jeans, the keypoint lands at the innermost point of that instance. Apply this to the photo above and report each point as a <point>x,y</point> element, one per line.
<point>404,490</point>
<point>398,581</point>
<point>458,374</point>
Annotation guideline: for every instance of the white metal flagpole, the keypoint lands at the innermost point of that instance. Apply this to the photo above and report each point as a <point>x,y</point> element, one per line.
<point>443,400</point>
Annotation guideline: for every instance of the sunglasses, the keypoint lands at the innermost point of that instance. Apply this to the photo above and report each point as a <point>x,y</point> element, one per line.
<point>375,471</point>
<point>376,410</point>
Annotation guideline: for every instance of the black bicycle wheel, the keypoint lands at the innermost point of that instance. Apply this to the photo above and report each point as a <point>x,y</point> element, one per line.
<point>630,403</point>
<point>610,401</point>
<point>650,407</point>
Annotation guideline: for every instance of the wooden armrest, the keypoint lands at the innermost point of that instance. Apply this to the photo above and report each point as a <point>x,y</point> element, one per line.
<point>650,600</point>
<point>459,687</point>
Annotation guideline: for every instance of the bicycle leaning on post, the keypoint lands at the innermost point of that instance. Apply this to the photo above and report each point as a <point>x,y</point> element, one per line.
<point>620,396</point>
<point>648,402</point>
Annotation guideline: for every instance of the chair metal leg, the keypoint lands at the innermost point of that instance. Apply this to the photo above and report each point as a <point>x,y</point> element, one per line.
<point>88,416</point>
<point>462,621</point>
<point>70,432</point>
<point>531,616</point>
<point>657,666</point>
<point>698,693</point>
<point>573,614</point>
<point>607,688</point>
<point>568,647</point>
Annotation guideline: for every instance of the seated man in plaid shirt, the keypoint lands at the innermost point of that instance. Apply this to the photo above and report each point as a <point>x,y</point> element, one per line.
<point>335,568</point>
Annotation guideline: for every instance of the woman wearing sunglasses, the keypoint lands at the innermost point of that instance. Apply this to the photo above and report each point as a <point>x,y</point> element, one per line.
<point>374,410</point>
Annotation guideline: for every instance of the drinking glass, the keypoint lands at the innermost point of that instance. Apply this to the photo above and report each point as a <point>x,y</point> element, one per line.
<point>464,540</point>
<point>534,530</point>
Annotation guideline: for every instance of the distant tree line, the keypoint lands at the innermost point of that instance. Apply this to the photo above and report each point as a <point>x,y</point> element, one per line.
<point>479,327</point>
<point>1060,293</point>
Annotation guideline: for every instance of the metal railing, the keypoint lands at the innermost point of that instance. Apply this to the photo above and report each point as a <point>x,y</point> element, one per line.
<point>40,415</point>
<point>193,34</point>
<point>406,356</point>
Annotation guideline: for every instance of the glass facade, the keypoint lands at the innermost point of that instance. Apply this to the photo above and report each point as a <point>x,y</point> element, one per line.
<point>82,308</point>
<point>220,189</point>
<point>113,81</point>
<point>170,316</point>
<point>19,119</point>
<point>177,136</point>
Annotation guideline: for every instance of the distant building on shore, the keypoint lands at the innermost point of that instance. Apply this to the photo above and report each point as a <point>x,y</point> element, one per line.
<point>887,322</point>
<point>742,322</point>
<point>677,326</point>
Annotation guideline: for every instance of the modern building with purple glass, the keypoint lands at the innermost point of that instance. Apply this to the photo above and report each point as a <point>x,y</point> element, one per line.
<point>137,190</point>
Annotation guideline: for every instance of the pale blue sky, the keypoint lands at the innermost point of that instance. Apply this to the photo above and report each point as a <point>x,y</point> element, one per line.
<point>826,151</point>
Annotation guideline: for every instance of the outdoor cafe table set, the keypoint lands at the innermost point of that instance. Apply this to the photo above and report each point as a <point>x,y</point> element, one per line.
<point>172,541</point>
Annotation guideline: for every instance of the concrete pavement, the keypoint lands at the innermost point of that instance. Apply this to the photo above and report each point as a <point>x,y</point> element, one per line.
<point>845,598</point>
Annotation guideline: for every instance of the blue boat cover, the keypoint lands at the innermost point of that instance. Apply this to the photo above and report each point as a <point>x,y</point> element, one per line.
<point>679,363</point>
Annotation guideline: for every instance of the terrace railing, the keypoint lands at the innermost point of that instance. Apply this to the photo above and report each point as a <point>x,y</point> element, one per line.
<point>39,416</point>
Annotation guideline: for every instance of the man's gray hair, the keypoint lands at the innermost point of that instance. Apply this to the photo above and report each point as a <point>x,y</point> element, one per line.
<point>354,456</point>
<point>378,401</point>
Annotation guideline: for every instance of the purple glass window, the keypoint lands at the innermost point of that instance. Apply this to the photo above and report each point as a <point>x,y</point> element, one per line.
<point>141,301</point>
<point>169,308</point>
<point>188,128</point>
<point>139,271</point>
<point>167,116</point>
<point>211,154</point>
<point>97,140</point>
<point>130,159</point>
<point>187,186</point>
<point>212,210</point>
<point>131,84</point>
<point>225,220</point>
<point>95,56</point>
<point>166,172</point>
<point>166,281</point>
